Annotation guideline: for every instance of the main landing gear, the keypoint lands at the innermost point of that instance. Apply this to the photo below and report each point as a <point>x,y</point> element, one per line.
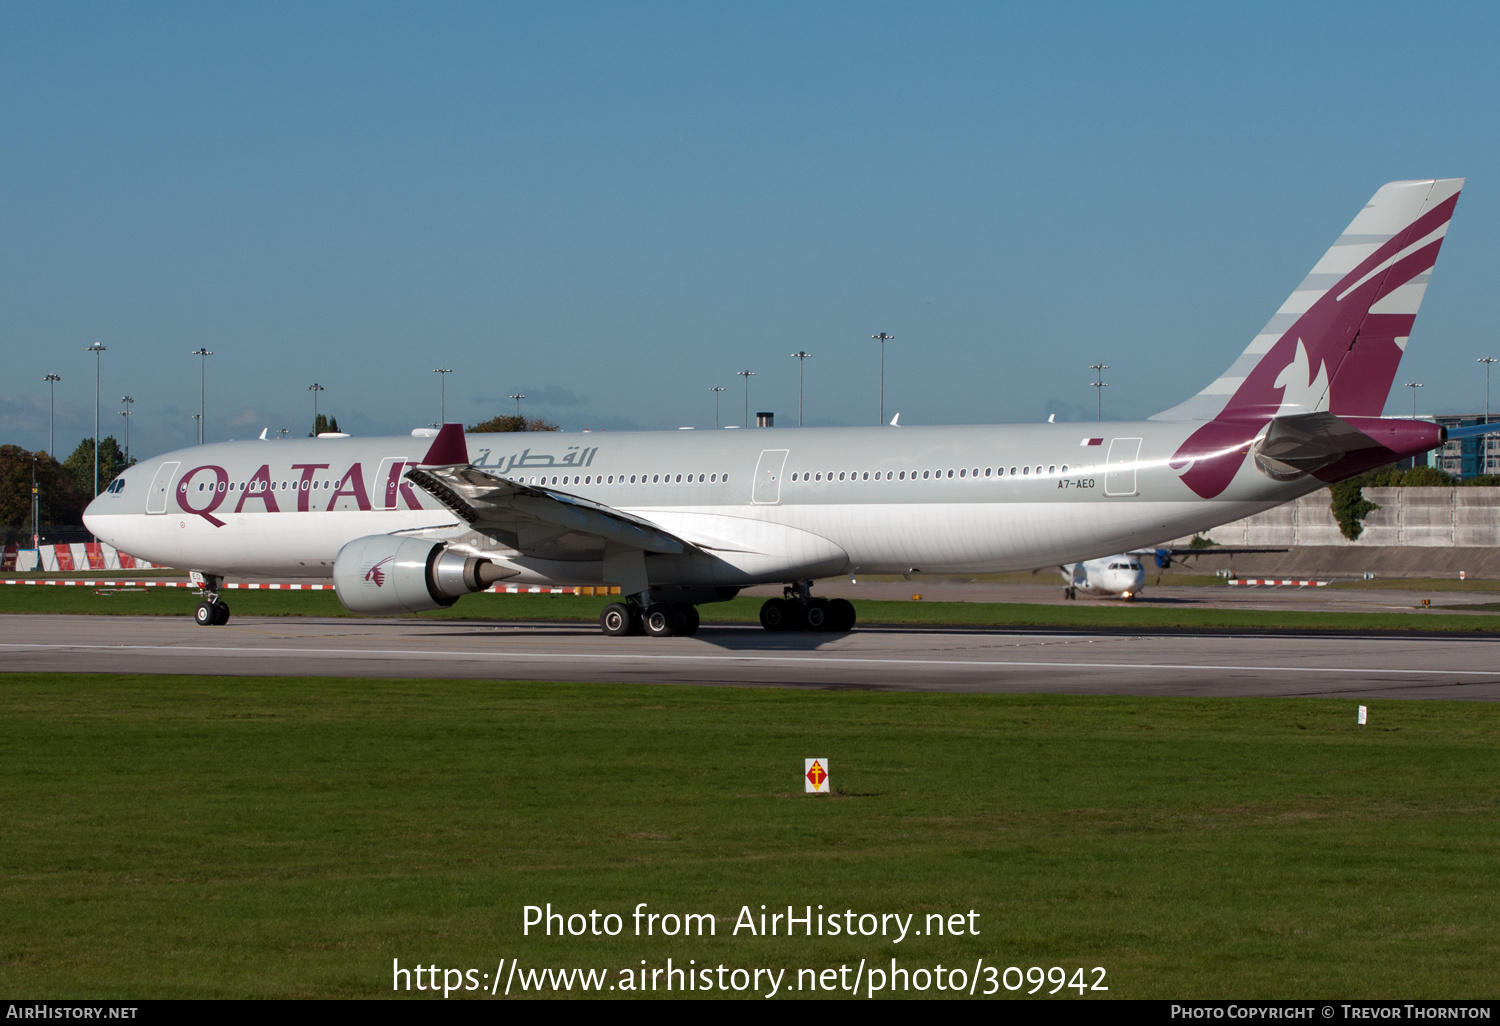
<point>799,611</point>
<point>212,611</point>
<point>660,620</point>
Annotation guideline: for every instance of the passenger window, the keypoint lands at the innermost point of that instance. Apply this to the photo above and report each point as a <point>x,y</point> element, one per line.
<point>1065,468</point>
<point>1052,469</point>
<point>1025,470</point>
<point>926,474</point>
<point>655,478</point>
<point>903,476</point>
<point>987,471</point>
<point>841,476</point>
<point>963,473</point>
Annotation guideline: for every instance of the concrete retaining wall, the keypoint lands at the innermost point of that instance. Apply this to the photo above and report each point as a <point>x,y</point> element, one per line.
<point>1416,517</point>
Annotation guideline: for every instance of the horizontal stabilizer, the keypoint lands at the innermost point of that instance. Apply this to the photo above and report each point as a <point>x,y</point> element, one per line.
<point>1306,443</point>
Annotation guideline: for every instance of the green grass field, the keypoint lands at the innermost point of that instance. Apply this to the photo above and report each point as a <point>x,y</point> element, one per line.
<point>200,836</point>
<point>180,602</point>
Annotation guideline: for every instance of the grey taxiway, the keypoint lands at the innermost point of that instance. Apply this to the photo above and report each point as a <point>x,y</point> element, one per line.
<point>873,657</point>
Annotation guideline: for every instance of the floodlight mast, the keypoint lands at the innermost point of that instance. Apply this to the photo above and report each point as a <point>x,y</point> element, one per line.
<point>801,358</point>
<point>443,373</point>
<point>1099,386</point>
<point>747,375</point>
<point>128,400</point>
<point>203,355</point>
<point>52,380</point>
<point>315,388</point>
<point>1413,385</point>
<point>882,338</point>
<point>518,397</point>
<point>96,349</point>
<point>1487,360</point>
<point>716,389</point>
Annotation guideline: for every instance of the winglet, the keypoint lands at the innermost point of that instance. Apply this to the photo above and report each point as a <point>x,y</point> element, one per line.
<point>448,449</point>
<point>896,420</point>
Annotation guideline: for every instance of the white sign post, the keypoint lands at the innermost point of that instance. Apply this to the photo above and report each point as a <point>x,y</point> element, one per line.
<point>815,776</point>
<point>1363,715</point>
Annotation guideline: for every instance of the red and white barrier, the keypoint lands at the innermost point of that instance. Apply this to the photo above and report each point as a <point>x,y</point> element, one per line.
<point>1279,584</point>
<point>72,556</point>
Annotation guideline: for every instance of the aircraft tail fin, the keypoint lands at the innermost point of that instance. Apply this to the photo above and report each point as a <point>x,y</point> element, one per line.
<point>1336,342</point>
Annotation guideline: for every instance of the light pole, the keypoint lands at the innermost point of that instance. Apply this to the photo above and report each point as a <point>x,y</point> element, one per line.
<point>52,380</point>
<point>1487,360</point>
<point>36,508</point>
<point>801,358</point>
<point>716,390</point>
<point>1099,386</point>
<point>443,393</point>
<point>127,400</point>
<point>882,338</point>
<point>203,355</point>
<point>518,397</point>
<point>315,388</point>
<point>747,375</point>
<point>1413,385</point>
<point>96,349</point>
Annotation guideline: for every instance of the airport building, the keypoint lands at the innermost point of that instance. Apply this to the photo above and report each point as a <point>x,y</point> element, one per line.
<point>1465,458</point>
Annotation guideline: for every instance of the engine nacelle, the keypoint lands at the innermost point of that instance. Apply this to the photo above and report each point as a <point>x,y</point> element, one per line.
<point>384,575</point>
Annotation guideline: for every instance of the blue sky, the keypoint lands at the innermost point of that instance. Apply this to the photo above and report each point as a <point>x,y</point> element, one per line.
<point>614,207</point>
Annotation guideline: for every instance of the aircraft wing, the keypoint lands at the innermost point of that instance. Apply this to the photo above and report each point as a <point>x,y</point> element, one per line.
<point>489,503</point>
<point>1209,550</point>
<point>1165,555</point>
<point>485,501</point>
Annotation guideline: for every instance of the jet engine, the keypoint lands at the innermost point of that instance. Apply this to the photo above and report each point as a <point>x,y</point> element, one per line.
<point>384,575</point>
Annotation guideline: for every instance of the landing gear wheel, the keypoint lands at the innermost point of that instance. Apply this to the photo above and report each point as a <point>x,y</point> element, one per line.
<point>690,620</point>
<point>615,620</point>
<point>1070,593</point>
<point>664,621</point>
<point>816,615</point>
<point>205,614</point>
<point>840,615</point>
<point>221,614</point>
<point>775,614</point>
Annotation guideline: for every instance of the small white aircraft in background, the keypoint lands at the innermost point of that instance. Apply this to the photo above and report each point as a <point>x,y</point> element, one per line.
<point>1124,575</point>
<point>1120,576</point>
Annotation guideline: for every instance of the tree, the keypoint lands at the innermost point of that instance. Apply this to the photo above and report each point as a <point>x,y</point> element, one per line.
<point>323,424</point>
<point>510,422</point>
<point>60,501</point>
<point>80,465</point>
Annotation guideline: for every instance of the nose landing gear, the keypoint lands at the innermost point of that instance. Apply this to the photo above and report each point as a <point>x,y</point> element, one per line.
<point>799,611</point>
<point>212,611</point>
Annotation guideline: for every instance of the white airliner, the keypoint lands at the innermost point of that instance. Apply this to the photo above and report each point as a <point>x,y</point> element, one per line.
<point>685,517</point>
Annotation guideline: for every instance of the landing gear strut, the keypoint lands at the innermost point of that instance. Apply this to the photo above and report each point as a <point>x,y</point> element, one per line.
<point>660,619</point>
<point>212,611</point>
<point>799,611</point>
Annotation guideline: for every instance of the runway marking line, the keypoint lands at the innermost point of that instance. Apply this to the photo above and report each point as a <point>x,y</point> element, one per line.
<point>733,657</point>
